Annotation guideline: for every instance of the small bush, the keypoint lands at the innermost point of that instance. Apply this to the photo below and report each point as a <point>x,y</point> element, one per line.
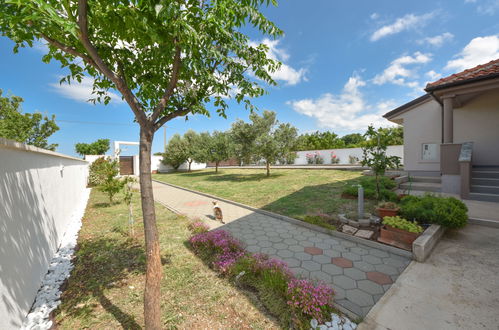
<point>198,227</point>
<point>309,300</point>
<point>445,211</point>
<point>401,223</point>
<point>369,185</point>
<point>98,171</point>
<point>388,205</point>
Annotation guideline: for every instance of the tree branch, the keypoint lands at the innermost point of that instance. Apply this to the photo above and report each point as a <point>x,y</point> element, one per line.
<point>171,85</point>
<point>118,81</point>
<point>170,116</point>
<point>69,50</point>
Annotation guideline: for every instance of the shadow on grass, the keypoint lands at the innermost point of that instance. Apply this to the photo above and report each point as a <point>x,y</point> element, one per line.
<point>220,176</point>
<point>102,264</point>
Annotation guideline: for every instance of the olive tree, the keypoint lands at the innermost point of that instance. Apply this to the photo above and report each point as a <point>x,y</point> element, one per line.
<point>168,59</point>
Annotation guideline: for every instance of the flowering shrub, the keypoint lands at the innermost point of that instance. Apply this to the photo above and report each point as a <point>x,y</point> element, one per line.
<point>314,301</point>
<point>198,227</point>
<point>314,158</point>
<point>293,300</point>
<point>334,159</point>
<point>219,247</point>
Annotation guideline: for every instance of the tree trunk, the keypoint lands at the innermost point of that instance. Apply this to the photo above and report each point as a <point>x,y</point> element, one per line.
<point>152,295</point>
<point>268,168</point>
<point>378,192</point>
<point>190,162</point>
<point>216,167</point>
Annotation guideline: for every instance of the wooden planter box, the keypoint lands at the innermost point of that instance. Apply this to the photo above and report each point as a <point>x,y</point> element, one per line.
<point>387,212</point>
<point>397,237</point>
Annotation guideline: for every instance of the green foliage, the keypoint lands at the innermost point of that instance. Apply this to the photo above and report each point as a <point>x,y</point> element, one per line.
<point>195,146</point>
<point>176,152</point>
<point>319,221</point>
<point>319,141</point>
<point>352,140</point>
<point>218,147</point>
<point>99,147</point>
<point>403,224</point>
<point>445,211</point>
<point>375,156</point>
<point>99,171</point>
<point>29,128</point>
<point>369,184</point>
<point>108,170</point>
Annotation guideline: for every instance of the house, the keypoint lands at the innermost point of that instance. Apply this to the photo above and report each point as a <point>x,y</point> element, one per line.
<point>451,134</point>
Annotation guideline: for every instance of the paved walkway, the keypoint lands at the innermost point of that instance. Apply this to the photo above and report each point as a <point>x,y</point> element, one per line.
<point>359,274</point>
<point>456,288</point>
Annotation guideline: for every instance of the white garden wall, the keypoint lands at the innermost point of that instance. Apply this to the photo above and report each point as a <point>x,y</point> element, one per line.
<point>343,154</point>
<point>39,191</point>
<point>157,165</point>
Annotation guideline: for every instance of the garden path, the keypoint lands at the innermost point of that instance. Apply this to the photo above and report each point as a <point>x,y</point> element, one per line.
<point>358,273</point>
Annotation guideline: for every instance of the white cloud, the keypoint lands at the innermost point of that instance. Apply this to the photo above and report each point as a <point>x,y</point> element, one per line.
<point>437,40</point>
<point>345,112</point>
<point>486,7</point>
<point>81,92</point>
<point>374,16</point>
<point>480,50</point>
<point>397,72</point>
<point>409,21</point>
<point>433,75</point>
<point>286,73</point>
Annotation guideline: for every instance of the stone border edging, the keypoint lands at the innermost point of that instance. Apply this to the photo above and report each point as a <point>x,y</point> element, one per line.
<point>369,243</point>
<point>424,244</point>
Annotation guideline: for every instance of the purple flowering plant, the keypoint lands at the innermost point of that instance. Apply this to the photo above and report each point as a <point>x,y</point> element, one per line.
<point>309,299</point>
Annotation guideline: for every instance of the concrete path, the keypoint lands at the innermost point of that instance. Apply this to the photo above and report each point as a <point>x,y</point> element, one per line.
<point>359,274</point>
<point>456,288</point>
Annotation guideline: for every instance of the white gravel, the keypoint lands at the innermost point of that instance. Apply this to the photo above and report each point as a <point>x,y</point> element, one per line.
<point>47,298</point>
<point>337,323</point>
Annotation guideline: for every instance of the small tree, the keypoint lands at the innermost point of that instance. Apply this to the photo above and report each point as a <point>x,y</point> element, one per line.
<point>195,148</point>
<point>176,152</point>
<point>218,148</point>
<point>99,147</point>
<point>375,156</point>
<point>111,185</point>
<point>30,128</point>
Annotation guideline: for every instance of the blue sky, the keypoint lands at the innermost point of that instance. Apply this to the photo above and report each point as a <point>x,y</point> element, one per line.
<point>345,63</point>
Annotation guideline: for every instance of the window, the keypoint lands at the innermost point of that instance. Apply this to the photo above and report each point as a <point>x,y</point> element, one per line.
<point>429,151</point>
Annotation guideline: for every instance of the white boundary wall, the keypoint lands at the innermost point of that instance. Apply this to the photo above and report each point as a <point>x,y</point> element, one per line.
<point>39,192</point>
<point>343,154</point>
<point>156,164</point>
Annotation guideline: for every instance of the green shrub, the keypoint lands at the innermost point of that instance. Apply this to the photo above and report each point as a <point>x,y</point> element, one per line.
<point>319,221</point>
<point>369,185</point>
<point>98,171</point>
<point>445,211</point>
<point>111,186</point>
<point>401,223</point>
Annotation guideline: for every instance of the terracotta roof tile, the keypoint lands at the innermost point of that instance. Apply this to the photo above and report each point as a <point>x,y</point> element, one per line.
<point>480,71</point>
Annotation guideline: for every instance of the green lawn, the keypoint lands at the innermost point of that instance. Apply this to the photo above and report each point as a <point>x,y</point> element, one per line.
<point>295,193</point>
<point>105,289</point>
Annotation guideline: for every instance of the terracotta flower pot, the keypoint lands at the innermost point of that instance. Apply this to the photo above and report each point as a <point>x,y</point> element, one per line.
<point>382,212</point>
<point>397,237</point>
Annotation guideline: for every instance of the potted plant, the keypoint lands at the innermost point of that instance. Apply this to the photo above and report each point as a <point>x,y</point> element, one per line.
<point>399,232</point>
<point>387,209</point>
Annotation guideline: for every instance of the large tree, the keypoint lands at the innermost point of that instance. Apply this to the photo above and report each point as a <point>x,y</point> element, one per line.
<point>176,152</point>
<point>30,128</point>
<point>167,59</point>
<point>195,148</point>
<point>99,147</point>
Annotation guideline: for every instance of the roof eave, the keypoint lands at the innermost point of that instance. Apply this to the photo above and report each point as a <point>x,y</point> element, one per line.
<point>431,89</point>
<point>389,115</point>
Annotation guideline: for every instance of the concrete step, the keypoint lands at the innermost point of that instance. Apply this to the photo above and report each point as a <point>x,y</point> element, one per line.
<point>485,174</point>
<point>431,179</point>
<point>422,186</point>
<point>485,197</point>
<point>485,182</point>
<point>485,189</point>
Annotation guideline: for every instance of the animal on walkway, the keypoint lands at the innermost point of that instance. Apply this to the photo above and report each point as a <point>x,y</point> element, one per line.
<point>217,212</point>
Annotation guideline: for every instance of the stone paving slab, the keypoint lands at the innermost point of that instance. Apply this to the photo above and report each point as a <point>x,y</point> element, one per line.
<point>358,273</point>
